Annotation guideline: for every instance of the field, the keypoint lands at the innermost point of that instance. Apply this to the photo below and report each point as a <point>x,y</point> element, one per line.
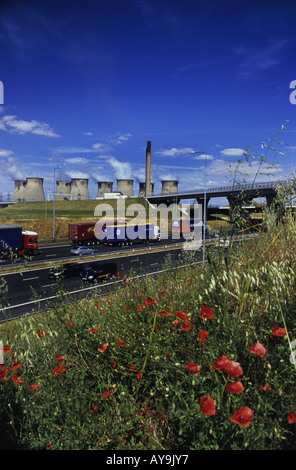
<point>200,358</point>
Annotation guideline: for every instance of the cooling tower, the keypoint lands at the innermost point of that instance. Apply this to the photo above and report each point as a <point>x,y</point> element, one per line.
<point>142,189</point>
<point>63,191</point>
<point>148,168</point>
<point>34,189</point>
<point>19,191</point>
<point>104,187</point>
<point>79,189</point>
<point>125,187</point>
<point>169,187</point>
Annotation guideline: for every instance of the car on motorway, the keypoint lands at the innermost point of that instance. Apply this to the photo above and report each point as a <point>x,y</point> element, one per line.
<point>94,274</point>
<point>65,271</point>
<point>82,250</point>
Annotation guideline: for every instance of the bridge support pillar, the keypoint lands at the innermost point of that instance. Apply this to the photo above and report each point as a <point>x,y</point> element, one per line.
<point>269,199</point>
<point>201,201</point>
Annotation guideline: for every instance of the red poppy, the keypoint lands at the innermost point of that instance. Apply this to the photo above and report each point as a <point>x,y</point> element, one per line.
<point>70,324</point>
<point>175,323</point>
<point>41,334</point>
<point>243,416</point>
<point>278,331</point>
<point>127,307</point>
<point>17,379</point>
<point>207,406</point>
<point>202,336</point>
<point>192,367</point>
<point>291,418</point>
<point>60,369</point>
<point>93,330</point>
<point>15,365</point>
<point>60,359</point>
<point>106,394</point>
<point>206,312</point>
<point>165,312</point>
<point>5,348</point>
<point>3,371</point>
<point>33,386</point>
<point>102,348</point>
<point>141,307</point>
<point>127,282</point>
<point>120,343</point>
<point>149,301</point>
<point>233,369</point>
<point>119,274</point>
<point>161,292</point>
<point>181,315</point>
<point>139,375</point>
<point>132,367</point>
<point>221,362</point>
<point>258,349</point>
<point>186,326</point>
<point>266,388</point>
<point>234,387</point>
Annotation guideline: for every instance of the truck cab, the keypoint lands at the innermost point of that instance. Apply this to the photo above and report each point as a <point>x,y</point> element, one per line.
<point>30,242</point>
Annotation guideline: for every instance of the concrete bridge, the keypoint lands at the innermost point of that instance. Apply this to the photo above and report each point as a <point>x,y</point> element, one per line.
<point>231,193</point>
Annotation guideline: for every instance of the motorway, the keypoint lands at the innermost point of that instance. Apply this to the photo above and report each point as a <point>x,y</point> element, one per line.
<point>30,288</point>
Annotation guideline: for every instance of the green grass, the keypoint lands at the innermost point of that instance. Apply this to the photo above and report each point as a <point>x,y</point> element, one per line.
<point>130,371</point>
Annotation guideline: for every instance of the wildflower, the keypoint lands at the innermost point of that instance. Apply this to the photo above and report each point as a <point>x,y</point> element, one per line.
<point>106,394</point>
<point>175,323</point>
<point>15,365</point>
<point>33,386</point>
<point>127,307</point>
<point>202,336</point>
<point>93,330</point>
<point>5,348</point>
<point>291,418</point>
<point>277,331</point>
<point>139,375</point>
<point>234,387</point>
<point>192,367</point>
<point>102,348</point>
<point>221,362</point>
<point>181,315</point>
<point>119,274</point>
<point>149,301</point>
<point>60,369</point>
<point>243,416</point>
<point>127,282</point>
<point>3,371</point>
<point>41,334</point>
<point>233,369</point>
<point>258,349</point>
<point>165,312</point>
<point>266,388</point>
<point>17,379</point>
<point>206,312</point>
<point>70,324</point>
<point>186,326</point>
<point>140,308</point>
<point>207,405</point>
<point>95,407</point>
<point>161,292</point>
<point>60,359</point>
<point>132,367</point>
<point>120,343</point>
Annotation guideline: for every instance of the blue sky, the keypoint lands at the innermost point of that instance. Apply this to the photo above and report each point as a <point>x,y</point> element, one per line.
<point>87,84</point>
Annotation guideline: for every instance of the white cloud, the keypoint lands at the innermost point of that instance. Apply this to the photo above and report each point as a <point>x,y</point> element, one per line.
<point>19,126</point>
<point>101,147</point>
<point>5,153</point>
<point>77,160</point>
<point>232,152</point>
<point>174,152</point>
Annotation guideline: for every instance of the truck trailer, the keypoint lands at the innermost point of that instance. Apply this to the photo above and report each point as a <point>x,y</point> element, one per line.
<point>114,234</point>
<point>128,234</point>
<point>14,241</point>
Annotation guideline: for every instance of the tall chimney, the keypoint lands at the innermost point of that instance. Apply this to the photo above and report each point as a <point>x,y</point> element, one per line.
<point>148,169</point>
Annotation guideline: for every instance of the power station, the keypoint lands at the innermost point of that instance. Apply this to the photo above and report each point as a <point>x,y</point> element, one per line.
<point>31,189</point>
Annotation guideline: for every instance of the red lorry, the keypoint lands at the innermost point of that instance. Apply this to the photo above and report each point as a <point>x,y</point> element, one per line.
<point>16,241</point>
